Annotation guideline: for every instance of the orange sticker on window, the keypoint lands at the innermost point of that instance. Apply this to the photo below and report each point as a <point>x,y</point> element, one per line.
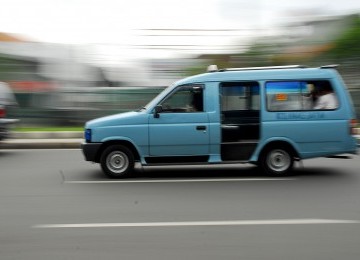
<point>281,97</point>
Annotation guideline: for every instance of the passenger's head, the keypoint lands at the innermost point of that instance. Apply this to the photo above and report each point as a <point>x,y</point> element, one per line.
<point>325,88</point>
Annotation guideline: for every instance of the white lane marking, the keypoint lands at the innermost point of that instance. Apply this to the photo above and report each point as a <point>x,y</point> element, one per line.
<point>181,180</point>
<point>204,223</point>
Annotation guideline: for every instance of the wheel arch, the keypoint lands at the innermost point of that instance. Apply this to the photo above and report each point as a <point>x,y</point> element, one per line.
<point>291,146</point>
<point>283,144</point>
<point>125,143</point>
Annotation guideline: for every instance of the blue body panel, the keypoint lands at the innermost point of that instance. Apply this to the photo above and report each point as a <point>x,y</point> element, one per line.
<point>310,133</point>
<point>175,134</point>
<point>130,126</point>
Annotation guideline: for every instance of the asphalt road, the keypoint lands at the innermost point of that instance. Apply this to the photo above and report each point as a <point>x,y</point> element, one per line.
<point>54,205</point>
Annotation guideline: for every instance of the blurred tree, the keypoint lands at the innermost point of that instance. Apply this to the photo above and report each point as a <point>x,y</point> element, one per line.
<point>347,46</point>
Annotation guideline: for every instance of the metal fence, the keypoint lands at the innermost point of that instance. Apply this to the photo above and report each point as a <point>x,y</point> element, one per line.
<point>76,106</point>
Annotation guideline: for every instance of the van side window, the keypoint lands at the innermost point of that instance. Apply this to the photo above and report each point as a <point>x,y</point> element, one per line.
<point>184,100</point>
<point>240,96</point>
<point>300,95</point>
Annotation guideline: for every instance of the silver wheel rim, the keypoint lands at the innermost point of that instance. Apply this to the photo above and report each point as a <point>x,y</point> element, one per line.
<point>117,162</point>
<point>278,160</point>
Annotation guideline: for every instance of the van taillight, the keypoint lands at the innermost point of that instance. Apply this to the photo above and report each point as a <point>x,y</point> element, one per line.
<point>353,126</point>
<point>2,112</point>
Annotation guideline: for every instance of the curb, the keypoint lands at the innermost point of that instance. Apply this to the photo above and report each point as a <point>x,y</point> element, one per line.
<point>41,143</point>
<point>46,135</point>
<point>43,140</point>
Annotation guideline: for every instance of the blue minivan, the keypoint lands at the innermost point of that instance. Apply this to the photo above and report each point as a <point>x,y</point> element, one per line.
<point>268,116</point>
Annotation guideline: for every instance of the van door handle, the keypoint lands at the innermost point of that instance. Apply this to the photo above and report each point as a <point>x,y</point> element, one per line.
<point>201,127</point>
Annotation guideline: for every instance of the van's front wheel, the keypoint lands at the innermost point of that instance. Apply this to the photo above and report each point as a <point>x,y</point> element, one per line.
<point>117,161</point>
<point>277,161</point>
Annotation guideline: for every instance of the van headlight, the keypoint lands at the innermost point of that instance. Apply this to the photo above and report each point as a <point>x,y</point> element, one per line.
<point>87,135</point>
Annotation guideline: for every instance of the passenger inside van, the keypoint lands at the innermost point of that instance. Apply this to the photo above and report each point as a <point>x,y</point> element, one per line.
<point>326,98</point>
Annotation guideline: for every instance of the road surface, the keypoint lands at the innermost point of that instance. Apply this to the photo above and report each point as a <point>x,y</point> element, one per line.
<point>54,205</point>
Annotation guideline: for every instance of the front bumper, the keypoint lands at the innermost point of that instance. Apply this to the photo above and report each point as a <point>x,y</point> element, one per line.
<point>90,151</point>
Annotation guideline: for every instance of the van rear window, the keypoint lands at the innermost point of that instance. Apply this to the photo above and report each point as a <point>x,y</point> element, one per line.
<point>300,95</point>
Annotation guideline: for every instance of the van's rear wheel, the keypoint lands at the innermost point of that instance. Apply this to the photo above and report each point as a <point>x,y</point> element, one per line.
<point>277,161</point>
<point>117,161</point>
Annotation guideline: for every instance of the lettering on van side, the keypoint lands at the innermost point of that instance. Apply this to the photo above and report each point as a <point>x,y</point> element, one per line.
<point>300,115</point>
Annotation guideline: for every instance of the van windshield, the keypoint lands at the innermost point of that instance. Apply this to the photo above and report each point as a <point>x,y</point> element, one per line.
<point>157,99</point>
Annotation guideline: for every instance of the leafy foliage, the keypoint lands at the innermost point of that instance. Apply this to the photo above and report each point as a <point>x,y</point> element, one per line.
<point>347,46</point>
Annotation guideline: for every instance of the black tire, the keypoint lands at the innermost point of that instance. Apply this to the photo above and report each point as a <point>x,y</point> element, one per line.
<point>277,161</point>
<point>117,161</point>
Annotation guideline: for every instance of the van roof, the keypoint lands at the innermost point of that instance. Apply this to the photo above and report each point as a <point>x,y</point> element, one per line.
<point>263,73</point>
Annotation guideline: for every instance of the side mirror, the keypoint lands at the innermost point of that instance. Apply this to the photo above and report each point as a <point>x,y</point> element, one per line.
<point>157,110</point>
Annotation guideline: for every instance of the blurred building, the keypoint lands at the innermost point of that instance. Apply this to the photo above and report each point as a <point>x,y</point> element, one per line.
<point>30,65</point>
<point>24,62</point>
